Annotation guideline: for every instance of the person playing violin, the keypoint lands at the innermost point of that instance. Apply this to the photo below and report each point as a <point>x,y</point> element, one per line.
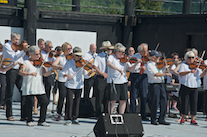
<point>204,76</point>
<point>189,80</point>
<point>117,80</point>
<point>58,64</point>
<point>139,82</point>
<point>89,80</point>
<point>11,51</point>
<point>32,85</point>
<point>100,65</point>
<point>156,88</point>
<point>48,81</point>
<point>74,85</point>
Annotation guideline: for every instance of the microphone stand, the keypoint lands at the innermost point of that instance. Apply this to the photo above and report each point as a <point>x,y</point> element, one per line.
<point>111,83</point>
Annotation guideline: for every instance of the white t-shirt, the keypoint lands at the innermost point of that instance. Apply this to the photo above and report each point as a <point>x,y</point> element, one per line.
<point>190,80</point>
<point>32,85</point>
<point>100,62</point>
<point>115,74</point>
<point>89,57</point>
<point>151,70</point>
<point>77,81</point>
<point>62,62</point>
<point>14,56</point>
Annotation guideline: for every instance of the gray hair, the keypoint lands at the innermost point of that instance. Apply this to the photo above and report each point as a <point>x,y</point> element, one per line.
<point>194,50</point>
<point>47,42</point>
<point>140,47</point>
<point>189,54</point>
<point>119,47</point>
<point>14,34</point>
<point>32,49</point>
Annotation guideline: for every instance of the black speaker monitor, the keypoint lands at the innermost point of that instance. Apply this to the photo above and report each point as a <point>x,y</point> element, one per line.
<point>125,125</point>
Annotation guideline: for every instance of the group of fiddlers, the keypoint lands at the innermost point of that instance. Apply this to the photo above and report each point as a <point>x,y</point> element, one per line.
<point>32,69</point>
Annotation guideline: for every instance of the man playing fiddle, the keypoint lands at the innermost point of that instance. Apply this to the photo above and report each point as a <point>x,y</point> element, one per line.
<point>139,82</point>
<point>48,81</point>
<point>11,50</point>
<point>156,88</point>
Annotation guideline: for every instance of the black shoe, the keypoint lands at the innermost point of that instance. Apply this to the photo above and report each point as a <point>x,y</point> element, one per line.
<point>145,119</point>
<point>154,123</point>
<point>164,123</point>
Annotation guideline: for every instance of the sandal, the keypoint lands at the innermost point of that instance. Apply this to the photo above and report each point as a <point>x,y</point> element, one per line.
<point>10,118</point>
<point>35,111</point>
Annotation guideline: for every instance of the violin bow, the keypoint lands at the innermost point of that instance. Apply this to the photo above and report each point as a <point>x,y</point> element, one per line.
<point>81,67</point>
<point>158,44</point>
<point>166,62</point>
<point>201,58</point>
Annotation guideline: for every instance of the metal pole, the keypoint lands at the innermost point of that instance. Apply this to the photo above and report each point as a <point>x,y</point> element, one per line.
<point>77,3</point>
<point>30,21</point>
<point>186,6</point>
<point>128,21</point>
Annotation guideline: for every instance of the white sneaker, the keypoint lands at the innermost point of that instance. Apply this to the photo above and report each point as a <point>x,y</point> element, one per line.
<point>43,124</point>
<point>68,122</point>
<point>30,124</point>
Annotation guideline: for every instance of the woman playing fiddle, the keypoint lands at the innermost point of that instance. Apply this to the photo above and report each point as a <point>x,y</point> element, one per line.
<point>117,79</point>
<point>32,85</point>
<point>190,81</point>
<point>74,85</point>
<point>59,64</point>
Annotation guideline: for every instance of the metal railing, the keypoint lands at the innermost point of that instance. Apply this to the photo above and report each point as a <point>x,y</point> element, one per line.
<point>50,5</point>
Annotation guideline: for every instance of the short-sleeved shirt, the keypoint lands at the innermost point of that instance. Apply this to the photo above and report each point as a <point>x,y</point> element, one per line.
<point>151,70</point>
<point>190,80</point>
<point>77,81</point>
<point>100,62</point>
<point>115,75</point>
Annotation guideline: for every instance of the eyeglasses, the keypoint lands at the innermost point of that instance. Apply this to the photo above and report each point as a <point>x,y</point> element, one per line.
<point>50,47</point>
<point>190,57</point>
<point>131,50</point>
<point>175,58</point>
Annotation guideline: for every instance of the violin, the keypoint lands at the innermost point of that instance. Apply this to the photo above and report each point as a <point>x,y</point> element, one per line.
<point>81,63</point>
<point>52,53</point>
<point>146,58</point>
<point>195,65</point>
<point>162,63</point>
<point>38,63</point>
<point>127,59</point>
<point>69,56</point>
<point>6,61</point>
<point>58,53</point>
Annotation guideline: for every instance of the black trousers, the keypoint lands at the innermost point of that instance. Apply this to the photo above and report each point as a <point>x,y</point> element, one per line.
<point>88,83</point>
<point>158,97</point>
<point>139,86</point>
<point>73,103</point>
<point>188,95</point>
<point>48,82</point>
<point>62,96</point>
<point>2,88</point>
<point>43,101</point>
<point>13,77</point>
<point>101,94</point>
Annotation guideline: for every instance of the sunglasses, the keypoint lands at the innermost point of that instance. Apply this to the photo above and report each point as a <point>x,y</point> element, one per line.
<point>191,57</point>
<point>78,55</point>
<point>69,48</point>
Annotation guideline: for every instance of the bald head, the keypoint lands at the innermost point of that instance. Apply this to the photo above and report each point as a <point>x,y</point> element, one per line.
<point>93,48</point>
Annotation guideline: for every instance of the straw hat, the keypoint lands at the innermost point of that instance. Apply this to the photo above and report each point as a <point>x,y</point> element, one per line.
<point>106,45</point>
